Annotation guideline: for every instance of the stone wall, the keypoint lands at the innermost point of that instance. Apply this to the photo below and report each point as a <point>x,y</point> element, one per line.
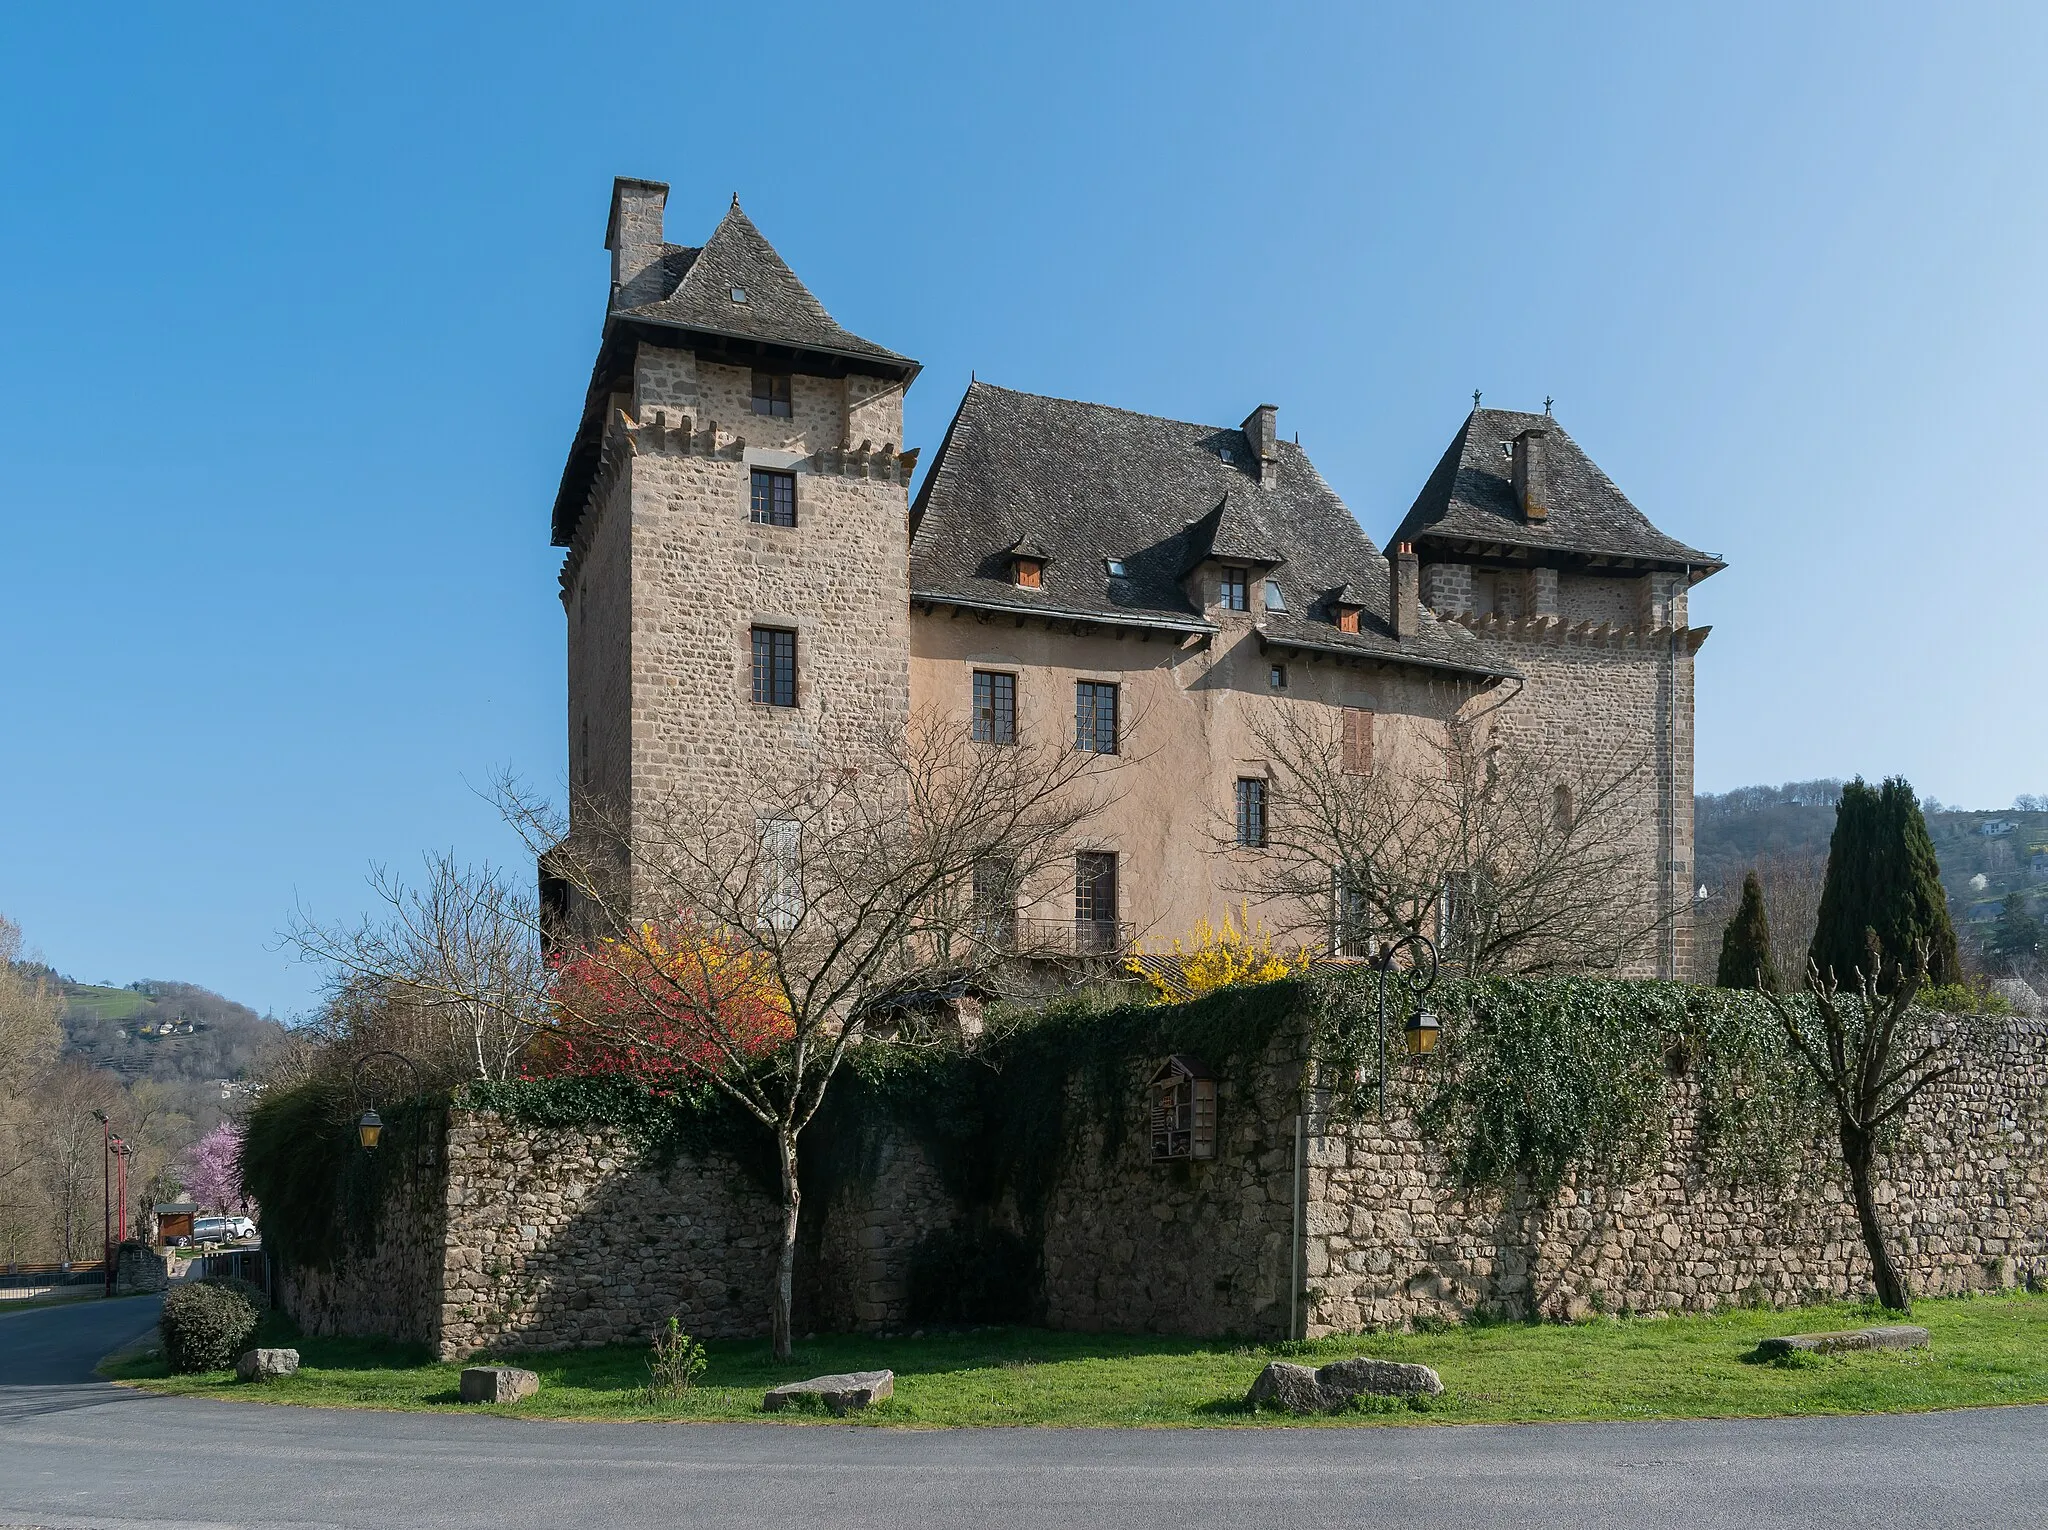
<point>389,1286</point>
<point>1301,1226</point>
<point>1389,1239</point>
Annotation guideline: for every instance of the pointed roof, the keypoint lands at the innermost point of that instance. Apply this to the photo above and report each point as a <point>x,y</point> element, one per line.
<point>737,286</point>
<point>1093,483</point>
<point>1470,499</point>
<point>1233,530</point>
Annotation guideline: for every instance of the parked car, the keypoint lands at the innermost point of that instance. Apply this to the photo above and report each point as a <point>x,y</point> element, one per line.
<point>241,1227</point>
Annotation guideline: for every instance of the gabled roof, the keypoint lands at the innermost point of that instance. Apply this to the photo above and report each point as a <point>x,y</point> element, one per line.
<point>1233,530</point>
<point>778,309</point>
<point>1470,499</point>
<point>1093,483</point>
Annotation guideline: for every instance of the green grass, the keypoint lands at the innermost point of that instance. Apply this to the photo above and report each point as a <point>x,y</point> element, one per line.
<point>106,1003</point>
<point>1987,1350</point>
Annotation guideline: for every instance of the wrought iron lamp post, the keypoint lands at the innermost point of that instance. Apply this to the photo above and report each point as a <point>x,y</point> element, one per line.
<point>1416,978</point>
<point>106,1196</point>
<point>370,1126</point>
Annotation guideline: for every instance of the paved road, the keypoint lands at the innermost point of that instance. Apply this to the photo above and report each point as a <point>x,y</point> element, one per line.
<point>106,1458</point>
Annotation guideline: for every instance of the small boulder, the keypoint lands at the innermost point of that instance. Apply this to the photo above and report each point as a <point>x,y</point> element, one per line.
<point>266,1364</point>
<point>857,1389</point>
<point>1889,1336</point>
<point>497,1384</point>
<point>1342,1380</point>
<point>1293,1388</point>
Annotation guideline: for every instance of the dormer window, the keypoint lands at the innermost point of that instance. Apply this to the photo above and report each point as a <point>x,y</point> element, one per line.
<point>739,294</point>
<point>1027,563</point>
<point>1224,453</point>
<point>1275,601</point>
<point>771,394</point>
<point>1235,595</point>
<point>1183,1110</point>
<point>1347,618</point>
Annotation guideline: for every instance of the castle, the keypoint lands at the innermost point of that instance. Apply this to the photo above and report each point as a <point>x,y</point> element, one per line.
<point>749,584</point>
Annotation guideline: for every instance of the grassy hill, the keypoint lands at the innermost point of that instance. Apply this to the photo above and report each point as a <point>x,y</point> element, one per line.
<point>170,1032</point>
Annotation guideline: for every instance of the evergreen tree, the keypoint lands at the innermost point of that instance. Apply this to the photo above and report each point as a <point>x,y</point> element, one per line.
<point>1883,882</point>
<point>2017,933</point>
<point>1746,944</point>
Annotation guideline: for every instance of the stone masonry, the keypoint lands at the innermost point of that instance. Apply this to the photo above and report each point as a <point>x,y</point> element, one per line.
<point>524,1238</point>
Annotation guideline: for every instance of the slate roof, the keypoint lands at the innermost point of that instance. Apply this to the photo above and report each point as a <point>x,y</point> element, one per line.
<point>779,309</point>
<point>1470,497</point>
<point>1092,483</point>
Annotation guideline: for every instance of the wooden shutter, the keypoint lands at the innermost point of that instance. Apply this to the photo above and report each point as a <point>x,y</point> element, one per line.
<point>1357,741</point>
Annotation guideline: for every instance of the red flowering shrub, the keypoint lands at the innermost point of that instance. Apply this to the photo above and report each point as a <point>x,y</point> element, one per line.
<point>671,1001</point>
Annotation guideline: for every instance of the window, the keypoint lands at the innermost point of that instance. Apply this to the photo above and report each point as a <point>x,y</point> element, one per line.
<point>1561,807</point>
<point>1094,717</point>
<point>1351,920</point>
<point>771,394</point>
<point>1095,920</point>
<point>1114,567</point>
<point>1183,1101</point>
<point>1234,591</point>
<point>995,901</point>
<point>1030,573</point>
<point>1275,601</point>
<point>1357,741</point>
<point>1276,677</point>
<point>1347,618</point>
<point>1251,811</point>
<point>775,666</point>
<point>739,294</point>
<point>995,708</point>
<point>781,873</point>
<point>774,500</point>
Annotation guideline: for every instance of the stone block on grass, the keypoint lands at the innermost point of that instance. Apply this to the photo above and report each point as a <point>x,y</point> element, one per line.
<point>857,1389</point>
<point>1297,1389</point>
<point>497,1384</point>
<point>1889,1336</point>
<point>266,1364</point>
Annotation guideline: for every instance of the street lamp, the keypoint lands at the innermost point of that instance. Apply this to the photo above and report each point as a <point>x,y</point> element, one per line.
<point>1417,977</point>
<point>106,1197</point>
<point>370,1126</point>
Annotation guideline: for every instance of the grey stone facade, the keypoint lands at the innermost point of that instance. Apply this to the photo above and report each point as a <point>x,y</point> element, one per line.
<point>521,1238</point>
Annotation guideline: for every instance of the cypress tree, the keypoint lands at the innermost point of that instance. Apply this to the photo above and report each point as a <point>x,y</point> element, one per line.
<point>1746,944</point>
<point>1883,883</point>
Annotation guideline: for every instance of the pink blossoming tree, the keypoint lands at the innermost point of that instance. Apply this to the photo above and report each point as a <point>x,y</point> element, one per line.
<point>211,1176</point>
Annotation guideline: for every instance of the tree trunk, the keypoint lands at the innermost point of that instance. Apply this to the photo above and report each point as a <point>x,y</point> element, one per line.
<point>785,1262</point>
<point>1891,1286</point>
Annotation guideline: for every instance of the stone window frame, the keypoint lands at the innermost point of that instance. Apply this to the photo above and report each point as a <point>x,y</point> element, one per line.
<point>1234,589</point>
<point>1276,677</point>
<point>774,394</point>
<point>1251,804</point>
<point>766,663</point>
<point>1090,732</point>
<point>995,706</point>
<point>771,495</point>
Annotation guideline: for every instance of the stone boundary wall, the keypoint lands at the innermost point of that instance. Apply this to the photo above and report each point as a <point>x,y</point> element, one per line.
<point>529,1238</point>
<point>392,1288</point>
<point>1965,1202</point>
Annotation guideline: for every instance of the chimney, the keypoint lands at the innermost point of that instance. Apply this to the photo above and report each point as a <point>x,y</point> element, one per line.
<point>1406,585</point>
<point>634,233</point>
<point>1262,429</point>
<point>1532,483</point>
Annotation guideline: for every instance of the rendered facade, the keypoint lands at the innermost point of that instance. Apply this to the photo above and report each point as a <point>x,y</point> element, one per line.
<point>749,586</point>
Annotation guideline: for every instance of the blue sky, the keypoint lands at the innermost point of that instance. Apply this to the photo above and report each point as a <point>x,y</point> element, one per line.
<point>297,308</point>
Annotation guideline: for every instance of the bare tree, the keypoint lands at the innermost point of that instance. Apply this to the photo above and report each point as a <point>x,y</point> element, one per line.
<point>451,973</point>
<point>1873,1053</point>
<point>1510,863</point>
<point>29,1039</point>
<point>825,895</point>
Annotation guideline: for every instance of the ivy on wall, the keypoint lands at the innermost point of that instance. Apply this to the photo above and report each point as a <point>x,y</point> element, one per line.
<point>1533,1080</point>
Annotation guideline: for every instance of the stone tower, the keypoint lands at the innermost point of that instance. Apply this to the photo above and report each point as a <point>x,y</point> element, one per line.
<point>735,511</point>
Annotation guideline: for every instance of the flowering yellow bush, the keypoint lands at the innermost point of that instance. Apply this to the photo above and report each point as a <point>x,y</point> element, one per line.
<point>1212,957</point>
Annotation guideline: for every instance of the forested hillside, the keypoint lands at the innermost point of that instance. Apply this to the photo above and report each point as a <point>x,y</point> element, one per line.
<point>1783,831</point>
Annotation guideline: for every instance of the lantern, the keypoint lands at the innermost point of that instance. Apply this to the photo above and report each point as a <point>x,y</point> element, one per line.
<point>369,1129</point>
<point>1420,1033</point>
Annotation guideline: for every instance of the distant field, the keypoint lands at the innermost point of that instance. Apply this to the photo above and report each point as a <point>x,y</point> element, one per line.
<point>106,1003</point>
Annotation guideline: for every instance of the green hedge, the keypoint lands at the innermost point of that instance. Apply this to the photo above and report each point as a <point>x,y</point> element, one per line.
<point>205,1327</point>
